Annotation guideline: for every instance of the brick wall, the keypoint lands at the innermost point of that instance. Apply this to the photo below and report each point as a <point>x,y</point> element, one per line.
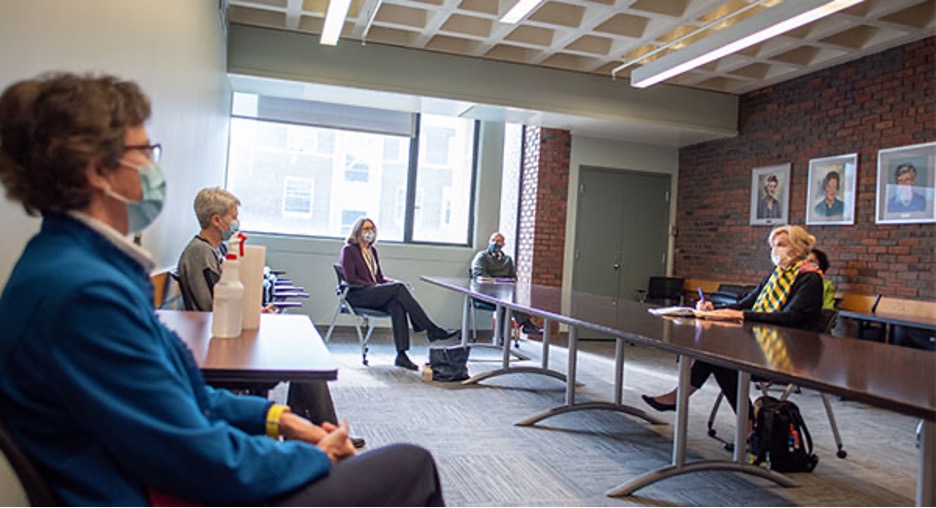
<point>881,101</point>
<point>543,202</point>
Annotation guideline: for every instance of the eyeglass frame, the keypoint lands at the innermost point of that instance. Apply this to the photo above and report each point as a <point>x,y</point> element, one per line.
<point>152,152</point>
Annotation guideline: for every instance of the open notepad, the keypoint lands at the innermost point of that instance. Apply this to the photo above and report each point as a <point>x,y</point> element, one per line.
<point>688,312</point>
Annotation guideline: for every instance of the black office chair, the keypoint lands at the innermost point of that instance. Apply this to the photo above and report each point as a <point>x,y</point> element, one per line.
<point>727,294</point>
<point>663,291</point>
<point>362,316</point>
<point>827,318</point>
<point>34,485</point>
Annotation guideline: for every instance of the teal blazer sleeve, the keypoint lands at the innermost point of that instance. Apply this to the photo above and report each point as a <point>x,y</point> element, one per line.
<point>146,409</point>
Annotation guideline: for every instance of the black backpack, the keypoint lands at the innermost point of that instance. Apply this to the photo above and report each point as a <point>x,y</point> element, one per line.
<point>780,437</point>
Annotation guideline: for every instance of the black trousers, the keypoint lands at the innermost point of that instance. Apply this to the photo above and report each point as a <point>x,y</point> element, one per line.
<point>726,378</point>
<point>394,475</point>
<point>312,401</point>
<point>396,299</point>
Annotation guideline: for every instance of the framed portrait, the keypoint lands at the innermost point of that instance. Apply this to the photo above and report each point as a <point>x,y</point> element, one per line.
<point>830,198</point>
<point>906,184</point>
<point>770,195</point>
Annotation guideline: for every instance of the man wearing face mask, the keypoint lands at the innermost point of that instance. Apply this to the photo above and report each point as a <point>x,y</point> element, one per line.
<point>200,263</point>
<point>790,295</point>
<point>493,262</point>
<point>104,399</point>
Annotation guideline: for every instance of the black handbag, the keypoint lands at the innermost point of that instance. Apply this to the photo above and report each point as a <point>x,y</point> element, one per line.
<point>449,363</point>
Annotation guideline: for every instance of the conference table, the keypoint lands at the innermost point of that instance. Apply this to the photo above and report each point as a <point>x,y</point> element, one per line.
<point>892,319</point>
<point>893,378</point>
<point>286,347</point>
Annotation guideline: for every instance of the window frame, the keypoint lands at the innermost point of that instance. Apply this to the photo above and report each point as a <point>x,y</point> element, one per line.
<point>411,182</point>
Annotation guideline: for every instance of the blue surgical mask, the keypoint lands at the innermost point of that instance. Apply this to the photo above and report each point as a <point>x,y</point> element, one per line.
<point>233,228</point>
<point>494,248</point>
<point>142,213</point>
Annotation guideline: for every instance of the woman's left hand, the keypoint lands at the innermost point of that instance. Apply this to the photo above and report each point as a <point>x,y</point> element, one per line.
<point>729,314</point>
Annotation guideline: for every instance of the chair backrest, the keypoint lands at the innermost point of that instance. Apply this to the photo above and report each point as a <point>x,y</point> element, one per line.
<point>339,273</point>
<point>827,319</point>
<point>665,287</point>
<point>34,485</point>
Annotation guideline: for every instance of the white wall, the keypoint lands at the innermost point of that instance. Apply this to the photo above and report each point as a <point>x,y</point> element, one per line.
<point>614,155</point>
<point>175,49</point>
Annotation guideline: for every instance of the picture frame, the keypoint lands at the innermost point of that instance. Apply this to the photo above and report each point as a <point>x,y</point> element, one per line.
<point>906,184</point>
<point>770,195</point>
<point>830,197</point>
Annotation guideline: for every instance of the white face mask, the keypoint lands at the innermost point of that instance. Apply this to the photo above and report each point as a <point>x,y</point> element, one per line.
<point>780,256</point>
<point>369,236</point>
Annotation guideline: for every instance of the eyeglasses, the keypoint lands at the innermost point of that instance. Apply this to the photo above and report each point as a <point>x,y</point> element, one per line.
<point>152,152</point>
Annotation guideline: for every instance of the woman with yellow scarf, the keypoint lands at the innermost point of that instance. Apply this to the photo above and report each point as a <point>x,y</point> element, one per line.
<point>791,295</point>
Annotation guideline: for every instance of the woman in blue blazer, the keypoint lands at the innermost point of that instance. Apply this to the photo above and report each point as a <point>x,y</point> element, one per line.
<point>106,401</point>
<point>369,288</point>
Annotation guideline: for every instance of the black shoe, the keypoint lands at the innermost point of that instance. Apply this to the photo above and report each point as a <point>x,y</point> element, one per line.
<point>441,334</point>
<point>403,361</point>
<point>528,328</point>
<point>358,442</point>
<point>652,402</point>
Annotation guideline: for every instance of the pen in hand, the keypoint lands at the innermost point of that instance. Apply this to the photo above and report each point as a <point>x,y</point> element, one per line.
<point>701,295</point>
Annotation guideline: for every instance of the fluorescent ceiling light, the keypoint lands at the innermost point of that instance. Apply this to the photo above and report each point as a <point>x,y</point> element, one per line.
<point>334,21</point>
<point>520,10</point>
<point>758,28</point>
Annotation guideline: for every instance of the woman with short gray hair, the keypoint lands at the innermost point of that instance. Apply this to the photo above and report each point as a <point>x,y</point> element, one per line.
<point>200,263</point>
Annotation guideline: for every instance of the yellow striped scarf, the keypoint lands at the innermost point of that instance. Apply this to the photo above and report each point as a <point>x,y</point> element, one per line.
<point>777,289</point>
<point>774,348</point>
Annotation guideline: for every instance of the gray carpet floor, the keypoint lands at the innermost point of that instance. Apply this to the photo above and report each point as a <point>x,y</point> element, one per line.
<point>572,459</point>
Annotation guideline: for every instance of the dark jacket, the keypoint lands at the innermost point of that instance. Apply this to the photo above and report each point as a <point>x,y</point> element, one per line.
<point>355,269</point>
<point>801,309</point>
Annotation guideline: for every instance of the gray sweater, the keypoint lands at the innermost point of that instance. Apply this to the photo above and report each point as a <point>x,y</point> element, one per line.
<point>199,271</point>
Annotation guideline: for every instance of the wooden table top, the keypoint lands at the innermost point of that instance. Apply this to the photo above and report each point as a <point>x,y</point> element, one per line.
<point>286,347</point>
<point>892,377</point>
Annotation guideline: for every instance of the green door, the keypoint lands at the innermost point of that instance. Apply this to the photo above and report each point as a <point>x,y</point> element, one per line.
<point>621,231</point>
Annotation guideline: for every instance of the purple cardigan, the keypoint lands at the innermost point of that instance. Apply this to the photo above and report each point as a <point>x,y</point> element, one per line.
<point>355,268</point>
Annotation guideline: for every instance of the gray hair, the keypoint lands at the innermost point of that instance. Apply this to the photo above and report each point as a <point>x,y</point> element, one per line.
<point>354,237</point>
<point>213,201</point>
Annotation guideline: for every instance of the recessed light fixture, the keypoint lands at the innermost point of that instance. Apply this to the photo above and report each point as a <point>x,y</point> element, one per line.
<point>758,28</point>
<point>334,21</point>
<point>520,10</point>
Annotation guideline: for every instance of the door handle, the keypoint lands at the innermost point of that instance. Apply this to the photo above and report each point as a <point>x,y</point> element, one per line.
<point>616,266</point>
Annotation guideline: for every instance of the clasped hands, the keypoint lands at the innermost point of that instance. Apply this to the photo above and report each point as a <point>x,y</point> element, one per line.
<point>331,439</point>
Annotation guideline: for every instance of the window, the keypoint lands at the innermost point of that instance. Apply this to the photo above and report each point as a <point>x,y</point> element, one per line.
<point>445,175</point>
<point>297,196</point>
<point>356,170</point>
<point>306,168</point>
<point>348,217</point>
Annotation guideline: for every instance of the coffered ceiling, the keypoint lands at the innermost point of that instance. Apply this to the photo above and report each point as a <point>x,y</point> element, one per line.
<point>597,36</point>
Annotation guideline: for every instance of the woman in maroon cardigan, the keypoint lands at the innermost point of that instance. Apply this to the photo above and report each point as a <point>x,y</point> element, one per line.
<point>369,288</point>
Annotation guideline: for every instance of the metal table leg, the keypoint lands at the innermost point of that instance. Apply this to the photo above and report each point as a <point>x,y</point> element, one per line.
<point>679,466</point>
<point>926,491</point>
<point>502,336</point>
<point>571,405</point>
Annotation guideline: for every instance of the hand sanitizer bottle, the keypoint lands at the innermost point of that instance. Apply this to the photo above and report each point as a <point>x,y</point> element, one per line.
<point>228,305</point>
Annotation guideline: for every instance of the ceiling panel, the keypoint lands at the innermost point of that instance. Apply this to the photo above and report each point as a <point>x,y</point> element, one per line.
<point>596,36</point>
